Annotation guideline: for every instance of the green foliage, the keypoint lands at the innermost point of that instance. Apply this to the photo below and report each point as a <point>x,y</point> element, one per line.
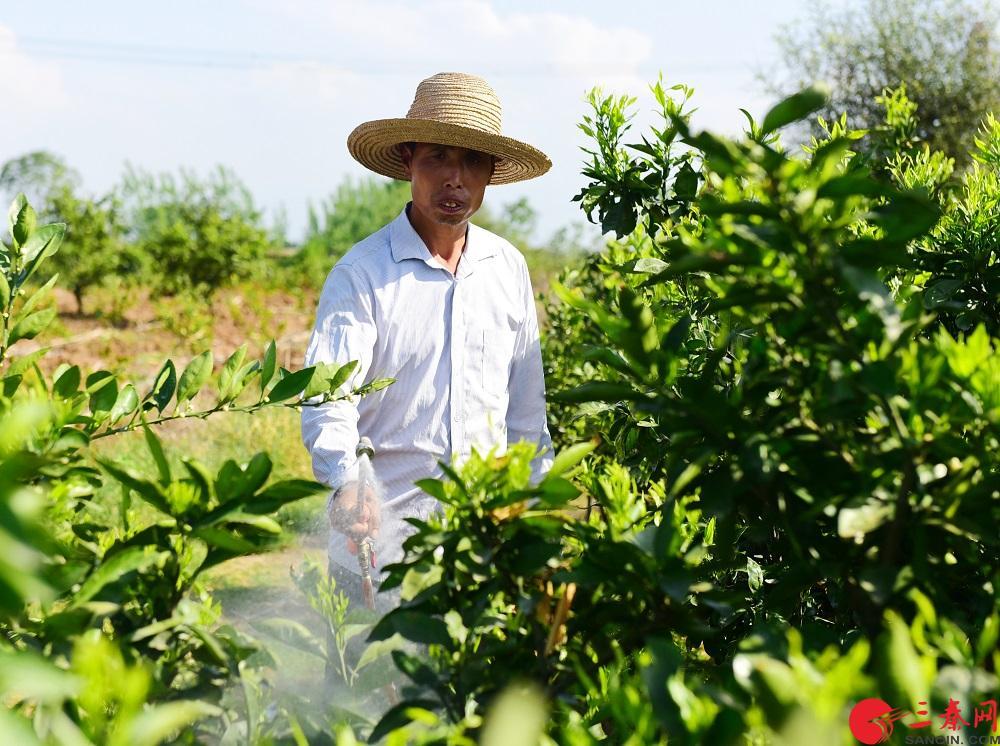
<point>958,264</point>
<point>108,636</point>
<point>791,504</point>
<point>196,233</point>
<point>40,175</point>
<point>945,51</point>
<point>94,248</point>
<point>354,211</point>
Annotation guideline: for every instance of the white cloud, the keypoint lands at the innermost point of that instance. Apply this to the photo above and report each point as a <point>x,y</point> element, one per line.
<point>319,84</point>
<point>27,86</point>
<point>388,36</point>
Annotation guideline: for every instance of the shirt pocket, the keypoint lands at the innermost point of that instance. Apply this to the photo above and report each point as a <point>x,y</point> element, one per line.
<point>496,355</point>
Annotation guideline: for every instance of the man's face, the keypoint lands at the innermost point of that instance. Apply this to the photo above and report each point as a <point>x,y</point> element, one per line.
<point>447,182</point>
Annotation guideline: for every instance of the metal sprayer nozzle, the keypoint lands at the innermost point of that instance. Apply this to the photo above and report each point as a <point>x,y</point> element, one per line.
<point>365,446</point>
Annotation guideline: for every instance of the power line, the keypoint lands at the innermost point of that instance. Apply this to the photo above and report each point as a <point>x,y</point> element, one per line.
<point>241,60</point>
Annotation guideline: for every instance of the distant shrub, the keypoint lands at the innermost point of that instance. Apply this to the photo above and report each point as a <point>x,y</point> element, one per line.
<point>196,233</point>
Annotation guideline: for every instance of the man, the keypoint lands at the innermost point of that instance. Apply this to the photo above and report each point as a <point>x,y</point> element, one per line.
<point>441,305</point>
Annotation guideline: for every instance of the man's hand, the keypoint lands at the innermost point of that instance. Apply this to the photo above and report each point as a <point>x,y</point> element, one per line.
<point>355,520</point>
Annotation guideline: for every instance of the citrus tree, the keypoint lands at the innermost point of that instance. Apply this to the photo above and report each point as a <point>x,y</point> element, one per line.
<point>107,634</point>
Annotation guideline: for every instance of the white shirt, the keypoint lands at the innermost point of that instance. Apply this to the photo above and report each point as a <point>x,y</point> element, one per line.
<point>465,353</point>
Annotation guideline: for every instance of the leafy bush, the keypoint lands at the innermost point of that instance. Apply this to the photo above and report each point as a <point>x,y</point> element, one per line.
<point>108,636</point>
<point>94,251</point>
<point>196,233</point>
<point>355,210</point>
<point>791,505</point>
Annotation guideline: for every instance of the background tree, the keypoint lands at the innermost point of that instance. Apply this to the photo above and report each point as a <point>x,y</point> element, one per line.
<point>947,53</point>
<point>356,209</point>
<point>39,175</point>
<point>196,232</point>
<point>94,248</point>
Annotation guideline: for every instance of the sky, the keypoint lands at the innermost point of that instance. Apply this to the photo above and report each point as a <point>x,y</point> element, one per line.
<point>272,89</point>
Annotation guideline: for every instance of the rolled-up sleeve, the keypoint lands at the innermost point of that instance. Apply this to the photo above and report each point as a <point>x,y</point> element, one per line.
<point>344,331</point>
<point>526,418</point>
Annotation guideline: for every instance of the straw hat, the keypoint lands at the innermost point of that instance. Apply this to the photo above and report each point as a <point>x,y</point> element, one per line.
<point>448,109</point>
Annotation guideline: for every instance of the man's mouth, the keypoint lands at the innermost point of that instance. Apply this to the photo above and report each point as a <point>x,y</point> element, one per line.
<point>451,204</point>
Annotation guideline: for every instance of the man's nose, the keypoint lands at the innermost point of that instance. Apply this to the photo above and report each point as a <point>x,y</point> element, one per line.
<point>453,175</point>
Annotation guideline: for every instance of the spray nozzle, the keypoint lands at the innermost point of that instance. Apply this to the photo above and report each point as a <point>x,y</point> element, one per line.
<point>365,446</point>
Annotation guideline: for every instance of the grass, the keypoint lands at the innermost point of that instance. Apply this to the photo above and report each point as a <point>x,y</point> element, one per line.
<point>223,436</point>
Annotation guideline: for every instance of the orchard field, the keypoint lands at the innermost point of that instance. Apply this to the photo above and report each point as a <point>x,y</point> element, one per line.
<point>775,398</point>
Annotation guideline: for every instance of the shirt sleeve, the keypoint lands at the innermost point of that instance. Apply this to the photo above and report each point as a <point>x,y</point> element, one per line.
<point>344,331</point>
<point>526,419</point>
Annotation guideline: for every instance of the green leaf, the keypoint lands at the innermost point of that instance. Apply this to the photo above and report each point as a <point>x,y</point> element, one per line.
<point>111,570</point>
<point>32,325</point>
<point>227,378</point>
<point>776,688</point>
<point>219,537</point>
<point>103,390</point>
<point>42,244</point>
<point>163,388</point>
<point>148,491</point>
<point>328,377</point>
<point>567,458</point>
<point>518,715</point>
<point>35,678</point>
<point>15,728</point>
<point>987,642</point>
<point>4,292</point>
<point>557,491</point>
<point>342,374</point>
<point>195,375</point>
<point>22,364</point>
<point>372,386</point>
<point>256,472</point>
<point>68,382</point>
<point>126,403</point>
<point>376,650</point>
<point>649,265</point>
<point>269,368</point>
<point>795,107</point>
<point>156,450</point>
<point>851,185</point>
<point>900,673</point>
<point>39,294</point>
<point>398,717</point>
<point>21,219</point>
<point>435,488</point>
<point>598,391</point>
<point>413,625</point>
<point>686,182</point>
<point>157,723</point>
<point>262,523</point>
<point>293,634</point>
<point>755,575</point>
<point>280,493</point>
<point>291,385</point>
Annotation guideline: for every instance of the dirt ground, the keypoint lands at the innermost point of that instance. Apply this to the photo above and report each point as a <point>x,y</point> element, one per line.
<point>148,331</point>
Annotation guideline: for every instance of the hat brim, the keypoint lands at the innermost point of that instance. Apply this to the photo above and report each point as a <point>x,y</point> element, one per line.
<point>373,145</point>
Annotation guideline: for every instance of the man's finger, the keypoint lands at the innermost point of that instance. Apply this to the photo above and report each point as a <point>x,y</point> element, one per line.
<point>352,546</point>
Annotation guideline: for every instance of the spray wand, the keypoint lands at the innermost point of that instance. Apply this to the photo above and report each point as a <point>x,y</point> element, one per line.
<point>366,549</point>
<point>366,552</point>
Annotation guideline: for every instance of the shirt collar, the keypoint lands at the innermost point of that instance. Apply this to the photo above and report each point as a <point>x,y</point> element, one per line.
<point>406,243</point>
